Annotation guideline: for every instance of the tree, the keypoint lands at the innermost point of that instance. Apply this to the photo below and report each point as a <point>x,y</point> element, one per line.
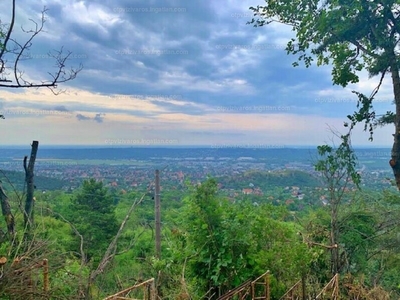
<point>227,243</point>
<point>338,169</point>
<point>13,53</point>
<point>204,222</point>
<point>92,213</point>
<point>352,36</point>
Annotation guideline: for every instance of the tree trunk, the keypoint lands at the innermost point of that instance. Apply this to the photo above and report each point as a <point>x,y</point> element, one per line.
<point>7,214</point>
<point>395,161</point>
<point>334,233</point>
<point>29,204</point>
<point>334,245</point>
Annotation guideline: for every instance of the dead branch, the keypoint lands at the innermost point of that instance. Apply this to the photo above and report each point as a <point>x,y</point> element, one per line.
<point>29,204</point>
<point>12,186</point>
<point>112,247</point>
<point>126,291</point>
<point>6,40</point>
<point>83,255</point>
<point>7,214</point>
<point>15,51</point>
<point>322,245</point>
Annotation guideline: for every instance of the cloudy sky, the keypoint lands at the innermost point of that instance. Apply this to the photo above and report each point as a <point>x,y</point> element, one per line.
<point>174,72</point>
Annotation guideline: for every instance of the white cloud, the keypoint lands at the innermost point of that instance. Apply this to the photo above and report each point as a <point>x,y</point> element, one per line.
<point>248,73</point>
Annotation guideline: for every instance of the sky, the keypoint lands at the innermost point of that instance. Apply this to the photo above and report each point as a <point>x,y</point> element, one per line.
<point>175,73</point>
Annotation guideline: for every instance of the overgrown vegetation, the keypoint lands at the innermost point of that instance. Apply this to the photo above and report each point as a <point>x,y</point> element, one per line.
<point>211,243</point>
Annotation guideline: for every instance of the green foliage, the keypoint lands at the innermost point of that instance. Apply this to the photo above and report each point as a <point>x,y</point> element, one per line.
<point>18,180</point>
<point>228,243</point>
<point>209,241</point>
<point>338,165</point>
<point>92,212</point>
<point>269,180</point>
<point>56,232</point>
<point>358,229</point>
<point>387,118</point>
<point>69,281</point>
<point>338,170</point>
<point>204,224</point>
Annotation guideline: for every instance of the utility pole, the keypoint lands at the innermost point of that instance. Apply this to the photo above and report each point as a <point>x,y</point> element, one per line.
<point>158,215</point>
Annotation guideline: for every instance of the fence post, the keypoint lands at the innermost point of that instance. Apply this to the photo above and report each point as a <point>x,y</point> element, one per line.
<point>45,275</point>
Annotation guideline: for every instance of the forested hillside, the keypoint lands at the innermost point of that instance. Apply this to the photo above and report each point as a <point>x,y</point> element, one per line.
<point>15,179</point>
<point>266,180</point>
<point>209,243</point>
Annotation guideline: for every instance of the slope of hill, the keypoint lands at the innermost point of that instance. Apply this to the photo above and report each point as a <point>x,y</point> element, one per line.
<point>17,179</point>
<point>267,179</point>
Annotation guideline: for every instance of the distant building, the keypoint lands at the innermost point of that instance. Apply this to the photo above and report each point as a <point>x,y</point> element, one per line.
<point>324,200</point>
<point>258,192</point>
<point>289,201</point>
<point>247,191</point>
<point>181,176</point>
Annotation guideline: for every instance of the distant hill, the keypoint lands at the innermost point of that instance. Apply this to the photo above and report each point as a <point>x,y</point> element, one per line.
<point>17,179</point>
<point>283,155</point>
<point>265,179</point>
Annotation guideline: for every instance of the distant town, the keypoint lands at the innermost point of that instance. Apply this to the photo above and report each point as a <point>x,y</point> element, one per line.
<point>135,169</point>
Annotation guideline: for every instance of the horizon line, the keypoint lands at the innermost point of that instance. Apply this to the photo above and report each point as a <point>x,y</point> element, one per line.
<point>207,146</point>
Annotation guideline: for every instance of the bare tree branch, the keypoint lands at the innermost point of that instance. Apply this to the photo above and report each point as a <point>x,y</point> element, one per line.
<point>82,252</point>
<point>112,247</point>
<point>4,46</point>
<point>18,51</point>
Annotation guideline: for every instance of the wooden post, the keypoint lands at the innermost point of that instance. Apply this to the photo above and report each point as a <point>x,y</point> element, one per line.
<point>153,291</point>
<point>337,287</point>
<point>29,204</point>
<point>158,214</point>
<point>45,275</point>
<point>303,287</point>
